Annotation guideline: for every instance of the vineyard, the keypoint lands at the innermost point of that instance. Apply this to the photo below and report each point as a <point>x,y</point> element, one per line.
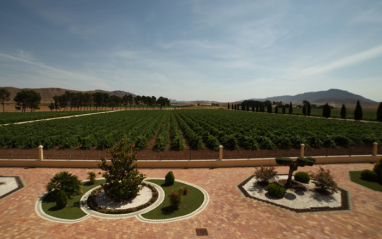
<point>177,130</point>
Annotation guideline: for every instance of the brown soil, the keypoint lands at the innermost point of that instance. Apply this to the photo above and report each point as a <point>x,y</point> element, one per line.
<point>186,154</point>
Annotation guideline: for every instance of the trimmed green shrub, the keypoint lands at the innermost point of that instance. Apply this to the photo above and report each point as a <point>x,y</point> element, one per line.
<point>64,181</point>
<point>369,175</point>
<point>62,199</point>
<point>170,178</point>
<point>276,190</point>
<point>324,181</point>
<point>378,168</point>
<point>264,174</point>
<point>302,177</point>
<point>92,177</point>
<point>175,199</point>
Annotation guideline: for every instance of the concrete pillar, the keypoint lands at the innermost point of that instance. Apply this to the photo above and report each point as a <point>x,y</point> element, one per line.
<point>302,149</point>
<point>221,152</point>
<point>375,149</point>
<point>40,153</point>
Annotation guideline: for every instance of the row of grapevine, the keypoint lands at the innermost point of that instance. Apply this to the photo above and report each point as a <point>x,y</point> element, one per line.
<point>193,139</point>
<point>101,131</point>
<point>161,140</point>
<point>177,141</point>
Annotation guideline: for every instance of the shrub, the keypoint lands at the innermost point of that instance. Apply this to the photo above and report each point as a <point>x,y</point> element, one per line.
<point>276,190</point>
<point>64,181</point>
<point>378,168</point>
<point>123,180</point>
<point>324,181</point>
<point>302,177</point>
<point>92,177</point>
<point>170,178</point>
<point>264,174</point>
<point>369,175</point>
<point>175,199</point>
<point>62,199</point>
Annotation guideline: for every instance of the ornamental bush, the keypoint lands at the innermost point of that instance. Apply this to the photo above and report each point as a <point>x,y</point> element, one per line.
<point>369,175</point>
<point>276,190</point>
<point>378,168</point>
<point>170,178</point>
<point>62,199</point>
<point>302,177</point>
<point>264,174</point>
<point>324,181</point>
<point>175,199</point>
<point>64,181</point>
<point>92,177</point>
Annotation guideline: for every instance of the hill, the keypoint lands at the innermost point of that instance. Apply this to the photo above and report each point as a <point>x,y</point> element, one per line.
<point>332,96</point>
<point>48,93</point>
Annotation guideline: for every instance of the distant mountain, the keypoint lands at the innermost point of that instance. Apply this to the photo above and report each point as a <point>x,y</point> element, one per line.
<point>332,96</point>
<point>48,93</point>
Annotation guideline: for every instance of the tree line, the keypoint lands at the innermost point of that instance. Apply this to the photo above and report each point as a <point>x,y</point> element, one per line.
<point>279,107</point>
<point>81,101</point>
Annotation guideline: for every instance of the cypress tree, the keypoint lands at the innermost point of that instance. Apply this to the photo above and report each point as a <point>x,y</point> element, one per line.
<point>269,108</point>
<point>247,108</point>
<point>343,111</point>
<point>308,109</point>
<point>228,105</point>
<point>242,107</point>
<point>253,108</point>
<point>379,112</point>
<point>358,111</point>
<point>326,111</point>
<point>276,109</point>
<point>304,109</point>
<point>290,108</point>
<point>283,109</point>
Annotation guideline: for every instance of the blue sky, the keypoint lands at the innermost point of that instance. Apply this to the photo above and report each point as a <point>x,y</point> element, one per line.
<point>189,50</point>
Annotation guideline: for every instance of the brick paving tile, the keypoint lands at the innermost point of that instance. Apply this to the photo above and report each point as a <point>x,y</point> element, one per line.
<point>228,214</point>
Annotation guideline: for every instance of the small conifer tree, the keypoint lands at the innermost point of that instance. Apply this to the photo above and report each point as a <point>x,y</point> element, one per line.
<point>326,111</point>
<point>343,111</point>
<point>379,112</point>
<point>358,111</point>
<point>290,108</point>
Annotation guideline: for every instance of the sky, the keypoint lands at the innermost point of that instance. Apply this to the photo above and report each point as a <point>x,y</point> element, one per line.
<point>193,50</point>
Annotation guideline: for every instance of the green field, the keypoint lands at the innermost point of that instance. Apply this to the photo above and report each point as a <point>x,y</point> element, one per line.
<point>197,128</point>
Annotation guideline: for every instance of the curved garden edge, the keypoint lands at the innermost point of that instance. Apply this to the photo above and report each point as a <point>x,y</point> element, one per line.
<point>89,212</point>
<point>192,214</point>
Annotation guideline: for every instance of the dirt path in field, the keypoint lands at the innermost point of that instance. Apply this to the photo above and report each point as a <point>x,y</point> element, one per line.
<point>63,117</point>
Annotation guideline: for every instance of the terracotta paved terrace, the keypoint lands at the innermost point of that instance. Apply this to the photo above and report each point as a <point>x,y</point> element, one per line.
<point>228,214</point>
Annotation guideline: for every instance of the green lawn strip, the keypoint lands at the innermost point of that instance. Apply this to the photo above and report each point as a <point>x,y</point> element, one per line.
<point>72,210</point>
<point>355,176</point>
<point>190,202</point>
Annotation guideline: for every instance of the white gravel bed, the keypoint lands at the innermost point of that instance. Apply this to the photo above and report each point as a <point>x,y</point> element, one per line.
<point>104,201</point>
<point>7,184</point>
<point>295,199</point>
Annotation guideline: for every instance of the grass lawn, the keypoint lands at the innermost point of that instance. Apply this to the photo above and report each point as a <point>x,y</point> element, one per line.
<point>72,210</point>
<point>355,176</point>
<point>190,202</point>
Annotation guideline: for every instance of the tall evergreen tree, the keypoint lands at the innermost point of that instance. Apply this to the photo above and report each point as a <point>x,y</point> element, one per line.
<point>343,111</point>
<point>304,109</point>
<point>4,96</point>
<point>308,109</point>
<point>269,108</point>
<point>379,112</point>
<point>253,108</point>
<point>276,109</point>
<point>283,109</point>
<point>358,111</point>
<point>290,108</point>
<point>228,105</point>
<point>326,111</point>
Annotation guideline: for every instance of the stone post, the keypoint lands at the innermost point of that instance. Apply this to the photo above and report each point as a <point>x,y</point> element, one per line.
<point>302,150</point>
<point>375,149</point>
<point>221,152</point>
<point>40,153</point>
